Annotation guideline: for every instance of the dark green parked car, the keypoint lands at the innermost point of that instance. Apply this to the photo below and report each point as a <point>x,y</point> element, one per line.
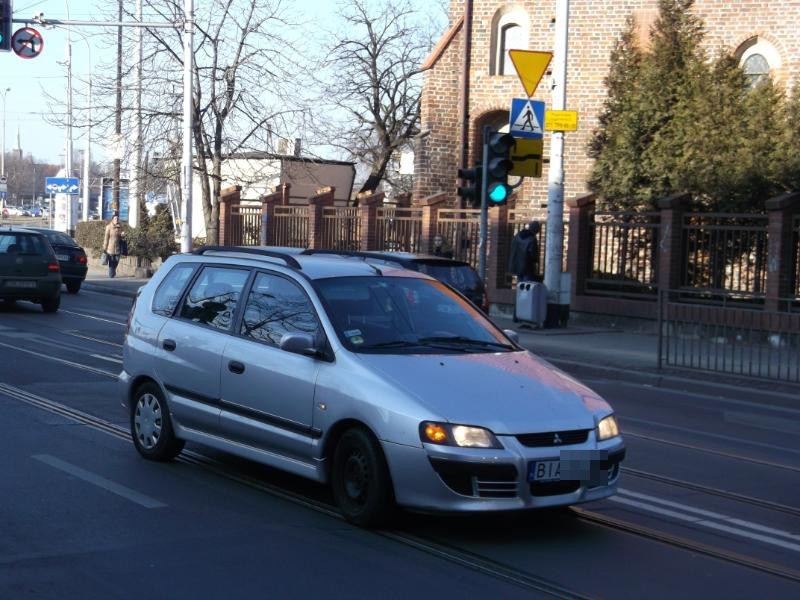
<point>29,269</point>
<point>71,258</point>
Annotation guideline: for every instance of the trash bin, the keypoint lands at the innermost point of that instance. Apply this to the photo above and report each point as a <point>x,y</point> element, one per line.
<point>531,302</point>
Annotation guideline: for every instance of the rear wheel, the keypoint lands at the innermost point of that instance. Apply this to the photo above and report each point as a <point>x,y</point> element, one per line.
<point>362,486</point>
<point>151,425</point>
<point>73,286</point>
<point>50,305</point>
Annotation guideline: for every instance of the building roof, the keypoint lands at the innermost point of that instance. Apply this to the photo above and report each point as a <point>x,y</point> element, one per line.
<point>442,45</point>
<point>259,155</point>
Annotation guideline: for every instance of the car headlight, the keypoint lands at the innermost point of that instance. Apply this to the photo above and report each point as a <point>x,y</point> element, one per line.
<point>463,436</point>
<point>607,428</point>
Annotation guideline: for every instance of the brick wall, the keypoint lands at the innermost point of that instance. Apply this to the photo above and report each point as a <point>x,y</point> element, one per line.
<point>594,26</point>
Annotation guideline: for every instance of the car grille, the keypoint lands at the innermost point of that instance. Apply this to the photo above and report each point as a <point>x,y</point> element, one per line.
<point>554,488</point>
<point>478,480</point>
<point>537,440</point>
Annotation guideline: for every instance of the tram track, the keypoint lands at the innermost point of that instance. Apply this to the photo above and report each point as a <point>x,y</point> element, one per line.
<point>421,543</point>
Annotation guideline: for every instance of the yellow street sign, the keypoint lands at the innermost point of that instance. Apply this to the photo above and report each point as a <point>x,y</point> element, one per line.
<point>531,66</point>
<point>527,157</point>
<point>561,120</point>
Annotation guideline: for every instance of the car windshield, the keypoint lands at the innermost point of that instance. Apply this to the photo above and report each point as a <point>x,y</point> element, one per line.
<point>460,276</point>
<point>406,315</point>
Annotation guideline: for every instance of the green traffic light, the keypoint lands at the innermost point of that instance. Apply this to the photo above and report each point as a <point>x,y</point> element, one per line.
<point>498,193</point>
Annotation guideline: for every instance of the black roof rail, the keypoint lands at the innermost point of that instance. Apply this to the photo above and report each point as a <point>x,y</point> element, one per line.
<point>349,254</point>
<point>290,261</point>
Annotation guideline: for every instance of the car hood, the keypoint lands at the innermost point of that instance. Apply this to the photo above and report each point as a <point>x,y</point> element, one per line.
<point>508,392</point>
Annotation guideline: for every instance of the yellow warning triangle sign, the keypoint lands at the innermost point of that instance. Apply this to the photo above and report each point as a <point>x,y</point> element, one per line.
<point>531,66</point>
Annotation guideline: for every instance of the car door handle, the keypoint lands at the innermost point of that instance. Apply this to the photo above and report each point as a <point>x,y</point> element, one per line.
<point>235,366</point>
<point>169,345</point>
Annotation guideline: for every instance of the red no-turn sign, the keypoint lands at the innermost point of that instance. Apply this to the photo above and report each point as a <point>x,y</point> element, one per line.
<point>27,42</point>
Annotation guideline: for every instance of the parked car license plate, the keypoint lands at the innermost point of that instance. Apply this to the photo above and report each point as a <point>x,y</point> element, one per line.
<point>63,257</point>
<point>544,470</point>
<point>21,284</point>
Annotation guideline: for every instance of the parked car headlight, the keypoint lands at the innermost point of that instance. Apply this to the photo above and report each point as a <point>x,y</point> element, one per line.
<point>463,436</point>
<point>607,428</point>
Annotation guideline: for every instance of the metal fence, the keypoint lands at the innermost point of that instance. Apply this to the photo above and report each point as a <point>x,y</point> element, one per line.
<point>725,253</point>
<point>341,228</point>
<point>727,339</point>
<point>245,225</point>
<point>517,220</point>
<point>624,254</point>
<point>461,229</point>
<point>399,229</point>
<point>291,226</point>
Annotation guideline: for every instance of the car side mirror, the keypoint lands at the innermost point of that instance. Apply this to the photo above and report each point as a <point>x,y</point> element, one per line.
<point>512,335</point>
<point>301,343</point>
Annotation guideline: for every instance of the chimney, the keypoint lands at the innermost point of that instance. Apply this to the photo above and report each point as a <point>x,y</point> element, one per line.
<point>297,146</point>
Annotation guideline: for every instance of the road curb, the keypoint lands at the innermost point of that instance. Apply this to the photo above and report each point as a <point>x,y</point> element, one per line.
<point>105,289</point>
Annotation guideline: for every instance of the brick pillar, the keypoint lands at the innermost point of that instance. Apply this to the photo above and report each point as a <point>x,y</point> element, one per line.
<point>285,191</point>
<point>430,210</point>
<point>323,198</point>
<point>268,204</point>
<point>402,200</point>
<point>579,248</point>
<point>780,257</point>
<point>671,259</point>
<point>498,226</point>
<point>368,203</point>
<point>228,197</point>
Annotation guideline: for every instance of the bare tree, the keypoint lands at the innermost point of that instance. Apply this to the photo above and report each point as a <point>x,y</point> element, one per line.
<point>372,77</point>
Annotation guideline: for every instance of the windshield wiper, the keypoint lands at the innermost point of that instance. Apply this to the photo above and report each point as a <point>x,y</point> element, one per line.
<point>457,339</point>
<point>392,344</point>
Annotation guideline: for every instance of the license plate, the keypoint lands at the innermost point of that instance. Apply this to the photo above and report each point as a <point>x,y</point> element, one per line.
<point>21,284</point>
<point>544,470</point>
<point>63,257</point>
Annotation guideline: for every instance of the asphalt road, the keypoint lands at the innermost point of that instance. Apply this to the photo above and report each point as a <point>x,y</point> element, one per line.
<point>708,505</point>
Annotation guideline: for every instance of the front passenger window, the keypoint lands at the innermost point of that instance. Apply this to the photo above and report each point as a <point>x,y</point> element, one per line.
<point>277,306</point>
<point>214,295</point>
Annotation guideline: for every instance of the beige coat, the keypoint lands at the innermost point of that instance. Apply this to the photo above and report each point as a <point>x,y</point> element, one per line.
<point>111,238</point>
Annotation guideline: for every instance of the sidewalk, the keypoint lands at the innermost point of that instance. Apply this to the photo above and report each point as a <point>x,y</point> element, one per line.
<point>97,280</point>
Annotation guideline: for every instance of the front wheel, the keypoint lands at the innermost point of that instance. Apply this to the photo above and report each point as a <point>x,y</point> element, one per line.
<point>362,486</point>
<point>151,425</point>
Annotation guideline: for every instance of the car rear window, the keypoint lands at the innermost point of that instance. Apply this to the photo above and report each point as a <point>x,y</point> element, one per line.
<point>461,277</point>
<point>62,239</point>
<point>21,243</point>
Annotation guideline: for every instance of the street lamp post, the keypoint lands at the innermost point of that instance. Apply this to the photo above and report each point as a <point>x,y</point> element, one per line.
<point>3,156</point>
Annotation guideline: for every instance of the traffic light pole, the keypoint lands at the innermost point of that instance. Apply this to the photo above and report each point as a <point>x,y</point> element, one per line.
<point>554,250</point>
<point>484,222</point>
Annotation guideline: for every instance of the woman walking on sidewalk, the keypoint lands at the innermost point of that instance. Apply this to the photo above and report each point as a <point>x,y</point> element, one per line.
<point>111,244</point>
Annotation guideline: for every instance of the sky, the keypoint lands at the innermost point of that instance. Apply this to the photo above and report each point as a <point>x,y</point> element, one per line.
<point>33,114</point>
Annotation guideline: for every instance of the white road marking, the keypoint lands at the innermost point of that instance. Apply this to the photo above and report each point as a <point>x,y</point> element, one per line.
<point>102,482</point>
<point>92,339</point>
<point>77,314</point>
<point>710,514</point>
<point>706,523</point>
<point>717,436</point>
<point>63,361</point>
<point>108,358</point>
<point>762,421</point>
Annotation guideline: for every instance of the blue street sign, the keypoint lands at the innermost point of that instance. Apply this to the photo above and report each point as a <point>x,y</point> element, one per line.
<point>3,195</point>
<point>527,119</point>
<point>62,185</point>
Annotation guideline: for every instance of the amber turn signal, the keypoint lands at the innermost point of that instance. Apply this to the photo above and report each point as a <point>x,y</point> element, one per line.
<point>435,433</point>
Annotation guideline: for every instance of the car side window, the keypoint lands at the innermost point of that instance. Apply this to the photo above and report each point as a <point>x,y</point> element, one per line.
<point>213,297</point>
<point>277,306</point>
<point>169,292</point>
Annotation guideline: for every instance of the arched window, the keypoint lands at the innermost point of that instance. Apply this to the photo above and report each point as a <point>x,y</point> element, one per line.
<point>758,59</point>
<point>509,32</point>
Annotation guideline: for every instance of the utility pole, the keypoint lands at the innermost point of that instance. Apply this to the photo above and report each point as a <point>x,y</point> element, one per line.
<point>68,152</point>
<point>555,181</point>
<point>87,155</point>
<point>188,101</point>
<point>3,156</point>
<point>136,169</point>
<point>118,117</point>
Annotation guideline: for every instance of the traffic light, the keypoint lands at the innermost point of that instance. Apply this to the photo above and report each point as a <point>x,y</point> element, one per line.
<point>471,193</point>
<point>5,25</point>
<point>498,146</point>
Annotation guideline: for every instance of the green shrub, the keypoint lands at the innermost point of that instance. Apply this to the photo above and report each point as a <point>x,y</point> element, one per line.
<point>89,234</point>
<point>157,240</point>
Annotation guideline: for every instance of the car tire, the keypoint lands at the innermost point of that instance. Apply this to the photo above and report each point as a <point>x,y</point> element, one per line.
<point>151,425</point>
<point>50,305</point>
<point>73,287</point>
<point>362,486</point>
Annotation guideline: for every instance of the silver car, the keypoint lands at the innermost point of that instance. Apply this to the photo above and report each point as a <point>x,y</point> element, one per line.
<point>383,382</point>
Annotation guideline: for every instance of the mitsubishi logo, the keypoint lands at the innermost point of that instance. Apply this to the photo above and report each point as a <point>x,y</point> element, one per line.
<point>556,439</point>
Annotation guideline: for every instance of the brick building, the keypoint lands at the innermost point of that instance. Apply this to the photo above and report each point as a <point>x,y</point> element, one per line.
<point>763,35</point>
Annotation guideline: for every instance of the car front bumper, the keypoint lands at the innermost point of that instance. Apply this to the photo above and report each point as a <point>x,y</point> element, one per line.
<point>444,479</point>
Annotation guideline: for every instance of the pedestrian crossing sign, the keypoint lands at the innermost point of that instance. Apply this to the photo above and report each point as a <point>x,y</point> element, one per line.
<point>527,119</point>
